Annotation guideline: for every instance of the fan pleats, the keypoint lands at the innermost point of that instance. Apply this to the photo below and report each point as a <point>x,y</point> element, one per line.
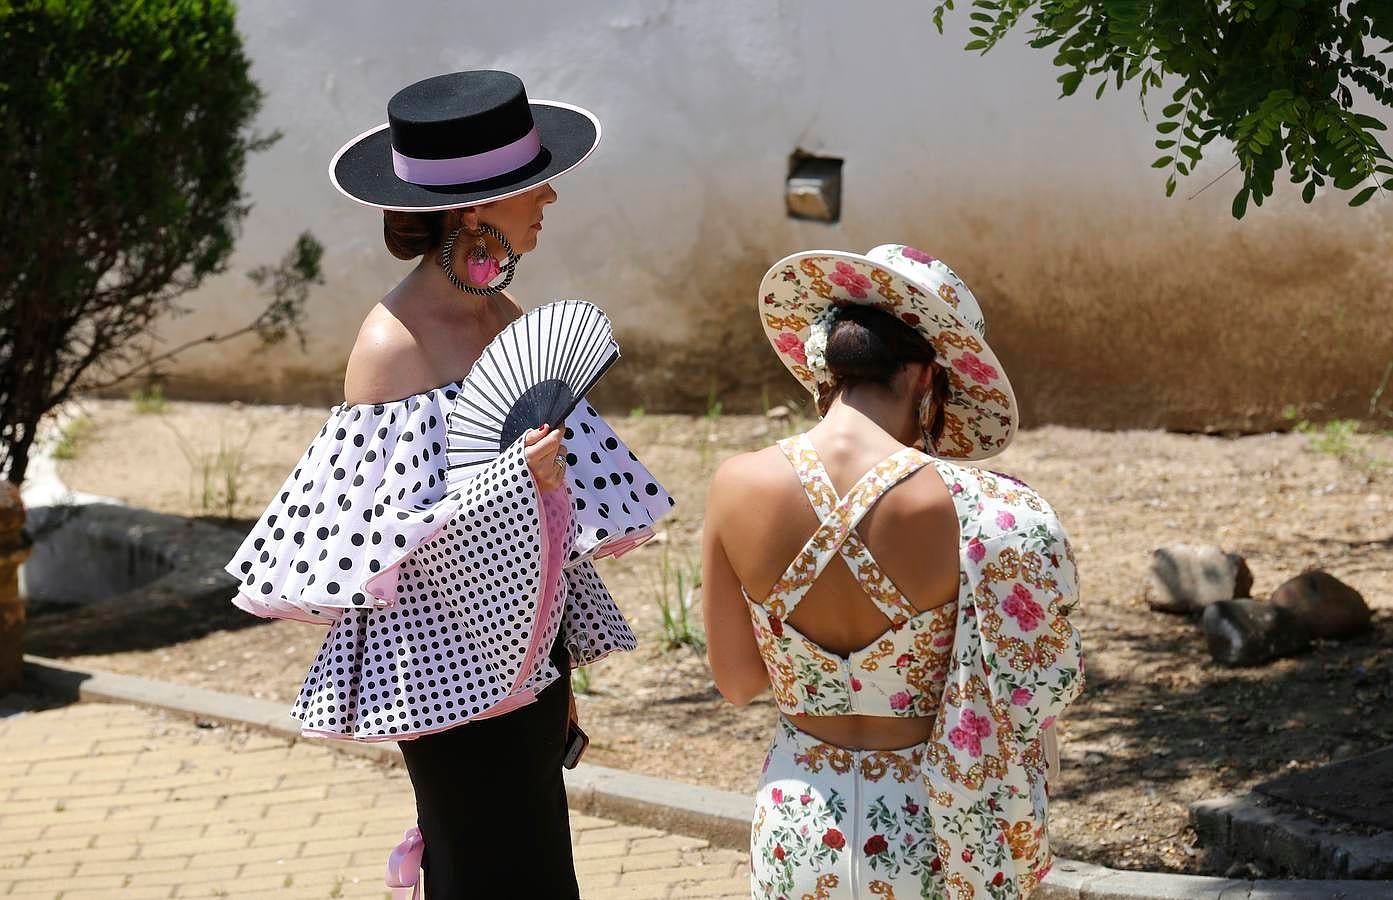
<point>533,373</point>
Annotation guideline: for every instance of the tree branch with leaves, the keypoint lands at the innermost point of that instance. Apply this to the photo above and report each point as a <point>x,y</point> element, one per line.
<point>1276,79</point>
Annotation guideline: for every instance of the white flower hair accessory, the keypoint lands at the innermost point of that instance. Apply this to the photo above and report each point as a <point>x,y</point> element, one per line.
<point>816,346</point>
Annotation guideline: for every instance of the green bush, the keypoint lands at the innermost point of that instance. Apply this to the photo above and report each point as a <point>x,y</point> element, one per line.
<point>126,135</point>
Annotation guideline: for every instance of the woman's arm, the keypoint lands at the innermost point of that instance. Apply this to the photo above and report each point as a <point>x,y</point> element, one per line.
<point>730,639</point>
<point>1051,743</point>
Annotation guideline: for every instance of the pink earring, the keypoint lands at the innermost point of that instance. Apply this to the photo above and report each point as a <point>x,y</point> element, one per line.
<point>481,267</point>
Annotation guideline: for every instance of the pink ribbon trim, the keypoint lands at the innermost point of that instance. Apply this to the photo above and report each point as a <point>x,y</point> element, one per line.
<point>462,169</point>
<point>404,866</point>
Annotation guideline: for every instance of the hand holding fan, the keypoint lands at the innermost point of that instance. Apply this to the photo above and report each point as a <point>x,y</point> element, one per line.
<point>532,374</point>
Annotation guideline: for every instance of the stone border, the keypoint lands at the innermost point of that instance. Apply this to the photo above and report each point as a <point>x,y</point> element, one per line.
<point>722,817</point>
<point>1255,827</point>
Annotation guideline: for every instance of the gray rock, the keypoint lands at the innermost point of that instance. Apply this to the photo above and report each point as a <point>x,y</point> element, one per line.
<point>1185,578</point>
<point>1327,606</point>
<point>1248,632</point>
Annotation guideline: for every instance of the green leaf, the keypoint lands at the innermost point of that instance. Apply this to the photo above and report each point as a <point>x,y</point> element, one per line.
<point>1346,181</point>
<point>1163,162</point>
<point>1240,203</point>
<point>1363,196</point>
<point>1273,78</point>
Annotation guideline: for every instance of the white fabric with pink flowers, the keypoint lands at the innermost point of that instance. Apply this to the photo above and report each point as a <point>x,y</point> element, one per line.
<point>993,670</point>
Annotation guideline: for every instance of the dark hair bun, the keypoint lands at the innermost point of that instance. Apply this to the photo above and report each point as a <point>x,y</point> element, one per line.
<point>870,345</point>
<point>412,234</point>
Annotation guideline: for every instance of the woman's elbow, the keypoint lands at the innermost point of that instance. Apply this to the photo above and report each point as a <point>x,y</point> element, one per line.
<point>742,689</point>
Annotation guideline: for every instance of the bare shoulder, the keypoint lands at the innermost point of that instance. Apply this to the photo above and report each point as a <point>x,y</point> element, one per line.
<point>750,472</point>
<point>922,501</point>
<point>386,363</point>
<point>931,493</point>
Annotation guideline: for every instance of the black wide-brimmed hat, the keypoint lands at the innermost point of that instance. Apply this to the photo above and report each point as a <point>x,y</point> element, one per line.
<point>462,139</point>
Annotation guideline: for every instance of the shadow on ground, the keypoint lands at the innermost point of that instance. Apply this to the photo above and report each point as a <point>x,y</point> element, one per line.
<point>1147,732</point>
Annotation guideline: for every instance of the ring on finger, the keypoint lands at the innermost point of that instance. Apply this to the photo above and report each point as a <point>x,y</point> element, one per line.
<point>560,461</point>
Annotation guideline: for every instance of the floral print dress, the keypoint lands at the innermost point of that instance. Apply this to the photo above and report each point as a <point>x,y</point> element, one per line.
<point>963,814</point>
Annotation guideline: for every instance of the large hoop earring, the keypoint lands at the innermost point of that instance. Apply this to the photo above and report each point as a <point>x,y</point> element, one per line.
<point>447,254</point>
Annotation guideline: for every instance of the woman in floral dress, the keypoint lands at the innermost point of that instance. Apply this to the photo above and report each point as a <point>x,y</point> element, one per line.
<point>909,613</point>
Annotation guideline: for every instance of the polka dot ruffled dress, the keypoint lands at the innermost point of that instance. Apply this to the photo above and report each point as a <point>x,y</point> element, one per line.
<point>442,598</point>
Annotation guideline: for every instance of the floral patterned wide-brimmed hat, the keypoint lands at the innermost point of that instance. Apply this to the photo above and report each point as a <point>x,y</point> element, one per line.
<point>800,294</point>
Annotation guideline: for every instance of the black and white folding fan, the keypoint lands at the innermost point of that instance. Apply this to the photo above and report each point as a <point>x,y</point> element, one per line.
<point>533,373</point>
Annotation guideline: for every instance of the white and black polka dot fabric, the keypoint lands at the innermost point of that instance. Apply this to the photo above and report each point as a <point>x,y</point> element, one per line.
<point>593,627</point>
<point>465,644</point>
<point>437,597</point>
<point>616,499</point>
<point>326,531</point>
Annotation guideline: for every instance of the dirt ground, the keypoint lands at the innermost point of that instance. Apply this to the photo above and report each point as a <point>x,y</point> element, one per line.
<point>1158,727</point>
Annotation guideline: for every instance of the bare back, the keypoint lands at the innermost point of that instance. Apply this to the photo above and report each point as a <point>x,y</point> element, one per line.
<point>912,532</point>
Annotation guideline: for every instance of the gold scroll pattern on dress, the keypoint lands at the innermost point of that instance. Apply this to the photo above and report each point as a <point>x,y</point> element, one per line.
<point>904,769</point>
<point>823,889</point>
<point>1010,565</point>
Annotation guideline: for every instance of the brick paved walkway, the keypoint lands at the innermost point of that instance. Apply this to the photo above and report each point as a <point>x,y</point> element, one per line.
<point>103,801</point>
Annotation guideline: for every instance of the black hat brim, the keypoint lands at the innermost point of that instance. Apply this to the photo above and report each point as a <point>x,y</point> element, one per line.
<point>362,169</point>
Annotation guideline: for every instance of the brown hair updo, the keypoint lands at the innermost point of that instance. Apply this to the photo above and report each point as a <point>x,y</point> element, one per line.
<point>412,234</point>
<point>871,346</point>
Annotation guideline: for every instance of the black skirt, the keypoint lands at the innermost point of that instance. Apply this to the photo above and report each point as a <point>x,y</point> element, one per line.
<point>491,803</point>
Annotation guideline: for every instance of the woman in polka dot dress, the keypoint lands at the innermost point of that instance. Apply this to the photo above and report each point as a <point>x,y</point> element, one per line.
<point>455,610</point>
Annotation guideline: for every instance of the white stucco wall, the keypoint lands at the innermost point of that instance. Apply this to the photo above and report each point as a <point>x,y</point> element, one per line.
<point>1035,200</point>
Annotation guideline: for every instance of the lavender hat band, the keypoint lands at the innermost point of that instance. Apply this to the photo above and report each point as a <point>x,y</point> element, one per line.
<point>464,169</point>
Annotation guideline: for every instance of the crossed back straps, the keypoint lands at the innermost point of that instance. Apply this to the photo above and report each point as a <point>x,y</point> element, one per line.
<point>836,532</point>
